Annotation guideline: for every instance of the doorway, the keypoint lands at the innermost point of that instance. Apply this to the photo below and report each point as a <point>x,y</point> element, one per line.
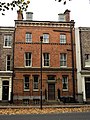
<point>51,91</point>
<point>5,90</point>
<point>87,87</point>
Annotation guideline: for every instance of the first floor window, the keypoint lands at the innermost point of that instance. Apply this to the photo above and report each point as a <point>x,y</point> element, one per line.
<point>8,62</point>
<point>46,59</point>
<point>28,59</point>
<point>26,83</point>
<point>35,82</point>
<point>63,60</point>
<point>65,83</point>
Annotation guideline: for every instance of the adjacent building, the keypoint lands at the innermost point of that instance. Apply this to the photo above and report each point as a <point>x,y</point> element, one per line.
<point>58,59</point>
<point>82,36</point>
<point>6,62</point>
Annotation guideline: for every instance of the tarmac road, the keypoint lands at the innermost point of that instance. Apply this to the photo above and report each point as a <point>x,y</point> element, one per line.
<point>61,116</point>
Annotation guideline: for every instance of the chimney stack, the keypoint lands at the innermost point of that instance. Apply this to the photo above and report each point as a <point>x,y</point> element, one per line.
<point>29,15</point>
<point>64,17</point>
<point>19,15</point>
<point>67,15</point>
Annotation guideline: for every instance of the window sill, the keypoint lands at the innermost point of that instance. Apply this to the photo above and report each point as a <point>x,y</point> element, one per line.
<point>26,90</point>
<point>28,66</point>
<point>63,66</point>
<point>65,90</point>
<point>46,66</point>
<point>7,47</point>
<point>35,90</point>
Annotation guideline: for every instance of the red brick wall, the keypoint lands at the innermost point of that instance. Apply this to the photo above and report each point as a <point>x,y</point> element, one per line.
<point>54,48</point>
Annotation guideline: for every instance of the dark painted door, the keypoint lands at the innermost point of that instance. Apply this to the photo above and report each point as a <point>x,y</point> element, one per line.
<point>51,91</point>
<point>87,87</point>
<point>5,90</point>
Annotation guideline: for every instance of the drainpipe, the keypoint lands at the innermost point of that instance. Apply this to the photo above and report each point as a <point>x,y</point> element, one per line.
<point>41,40</point>
<point>72,52</point>
<point>13,68</point>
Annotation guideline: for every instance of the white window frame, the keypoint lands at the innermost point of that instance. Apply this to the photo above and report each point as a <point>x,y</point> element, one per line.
<point>28,37</point>
<point>7,63</point>
<point>45,38</point>
<point>45,60</point>
<point>30,60</point>
<point>65,81</point>
<point>25,89</point>
<point>62,39</point>
<point>35,84</point>
<point>63,60</point>
<point>7,41</point>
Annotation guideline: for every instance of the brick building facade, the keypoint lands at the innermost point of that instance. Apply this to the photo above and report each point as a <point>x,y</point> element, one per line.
<point>57,71</point>
<point>6,62</point>
<point>83,63</point>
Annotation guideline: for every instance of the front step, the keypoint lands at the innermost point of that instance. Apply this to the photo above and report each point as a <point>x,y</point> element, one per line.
<point>4,103</point>
<point>52,102</point>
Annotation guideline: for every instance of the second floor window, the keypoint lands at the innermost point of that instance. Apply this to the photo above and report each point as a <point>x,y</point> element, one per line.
<point>45,38</point>
<point>62,39</point>
<point>28,37</point>
<point>63,60</point>
<point>7,40</point>
<point>8,62</point>
<point>46,59</point>
<point>28,59</point>
<point>26,83</point>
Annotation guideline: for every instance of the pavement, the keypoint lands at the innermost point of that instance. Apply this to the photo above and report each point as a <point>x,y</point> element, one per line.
<point>46,109</point>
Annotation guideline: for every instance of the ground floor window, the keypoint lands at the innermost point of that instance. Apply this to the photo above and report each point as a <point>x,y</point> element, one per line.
<point>35,82</point>
<point>26,83</point>
<point>65,83</point>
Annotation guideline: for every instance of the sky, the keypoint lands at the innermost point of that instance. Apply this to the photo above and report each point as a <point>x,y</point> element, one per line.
<point>48,10</point>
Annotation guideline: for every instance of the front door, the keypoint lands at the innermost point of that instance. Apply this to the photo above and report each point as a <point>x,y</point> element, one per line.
<point>5,90</point>
<point>51,91</point>
<point>87,87</point>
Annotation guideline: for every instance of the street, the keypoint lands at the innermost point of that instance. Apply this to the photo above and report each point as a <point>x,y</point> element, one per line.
<point>61,116</point>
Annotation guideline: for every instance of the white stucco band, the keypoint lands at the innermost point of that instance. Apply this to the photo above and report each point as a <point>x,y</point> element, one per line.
<point>83,88</point>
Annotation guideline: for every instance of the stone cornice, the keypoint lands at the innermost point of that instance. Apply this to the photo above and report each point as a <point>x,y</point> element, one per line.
<point>29,23</point>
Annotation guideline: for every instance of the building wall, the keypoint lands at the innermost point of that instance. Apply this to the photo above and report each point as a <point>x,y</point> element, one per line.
<point>53,47</point>
<point>83,72</point>
<point>85,44</point>
<point>5,50</point>
<point>5,75</point>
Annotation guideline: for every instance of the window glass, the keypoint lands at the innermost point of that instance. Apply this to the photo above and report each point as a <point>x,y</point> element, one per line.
<point>8,62</point>
<point>63,60</point>
<point>45,38</point>
<point>27,59</point>
<point>26,83</point>
<point>65,82</point>
<point>46,59</point>
<point>51,77</point>
<point>35,82</point>
<point>7,40</point>
<point>62,38</point>
<point>28,37</point>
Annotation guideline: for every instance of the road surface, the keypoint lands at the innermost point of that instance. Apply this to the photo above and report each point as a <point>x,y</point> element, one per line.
<point>61,116</point>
